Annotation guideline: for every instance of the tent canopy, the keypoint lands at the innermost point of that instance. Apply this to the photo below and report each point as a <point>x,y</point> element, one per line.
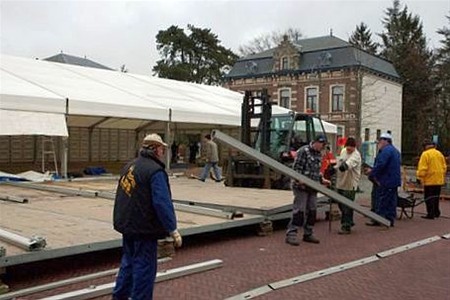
<point>107,99</point>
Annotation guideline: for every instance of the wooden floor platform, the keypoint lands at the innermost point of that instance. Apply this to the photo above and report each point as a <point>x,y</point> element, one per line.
<point>74,224</point>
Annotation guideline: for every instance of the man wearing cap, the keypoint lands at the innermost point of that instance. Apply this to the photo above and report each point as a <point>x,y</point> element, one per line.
<point>304,210</point>
<point>347,179</point>
<point>386,176</point>
<point>431,172</point>
<point>143,213</point>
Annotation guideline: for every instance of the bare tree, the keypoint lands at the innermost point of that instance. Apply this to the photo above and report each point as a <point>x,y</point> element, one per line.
<point>268,41</point>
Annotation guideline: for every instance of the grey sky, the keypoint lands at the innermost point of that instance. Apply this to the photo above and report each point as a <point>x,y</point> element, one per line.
<point>123,32</point>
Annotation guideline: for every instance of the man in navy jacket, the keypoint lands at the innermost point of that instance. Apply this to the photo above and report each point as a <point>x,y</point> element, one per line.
<point>386,176</point>
<point>143,213</point>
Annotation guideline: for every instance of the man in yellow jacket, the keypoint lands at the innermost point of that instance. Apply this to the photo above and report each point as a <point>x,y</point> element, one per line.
<point>431,172</point>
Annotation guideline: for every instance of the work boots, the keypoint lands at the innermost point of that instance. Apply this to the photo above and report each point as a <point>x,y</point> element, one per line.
<point>311,239</point>
<point>292,239</point>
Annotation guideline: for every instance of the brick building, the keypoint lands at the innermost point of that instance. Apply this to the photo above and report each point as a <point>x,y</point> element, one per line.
<point>359,92</point>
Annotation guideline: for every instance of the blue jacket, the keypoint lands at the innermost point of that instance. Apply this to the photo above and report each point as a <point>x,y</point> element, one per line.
<point>386,170</point>
<point>143,206</point>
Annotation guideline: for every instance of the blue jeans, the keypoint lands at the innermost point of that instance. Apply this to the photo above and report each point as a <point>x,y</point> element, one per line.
<point>215,169</point>
<point>137,272</point>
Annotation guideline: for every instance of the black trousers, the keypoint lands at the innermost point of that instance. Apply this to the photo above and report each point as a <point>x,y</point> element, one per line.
<point>431,194</point>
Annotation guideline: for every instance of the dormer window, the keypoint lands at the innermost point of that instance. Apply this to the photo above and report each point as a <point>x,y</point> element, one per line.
<point>284,63</point>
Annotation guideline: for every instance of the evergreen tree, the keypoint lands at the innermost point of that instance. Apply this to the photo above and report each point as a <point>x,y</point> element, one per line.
<point>442,78</point>
<point>197,57</point>
<point>404,44</point>
<point>362,39</point>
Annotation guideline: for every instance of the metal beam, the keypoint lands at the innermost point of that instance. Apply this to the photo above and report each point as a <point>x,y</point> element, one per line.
<point>277,166</point>
<point>106,289</point>
<point>29,244</point>
<point>55,189</point>
<point>65,282</point>
<point>13,199</point>
<point>203,211</point>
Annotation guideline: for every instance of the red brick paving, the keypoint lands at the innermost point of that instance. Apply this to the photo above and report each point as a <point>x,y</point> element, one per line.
<point>251,261</point>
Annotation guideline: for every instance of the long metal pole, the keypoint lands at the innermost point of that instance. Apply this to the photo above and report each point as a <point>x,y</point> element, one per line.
<point>277,166</point>
<point>29,244</point>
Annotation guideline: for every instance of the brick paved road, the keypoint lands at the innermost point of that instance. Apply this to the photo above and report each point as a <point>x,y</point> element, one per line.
<point>251,262</point>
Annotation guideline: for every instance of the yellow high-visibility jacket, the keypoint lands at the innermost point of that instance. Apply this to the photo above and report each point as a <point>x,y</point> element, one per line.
<point>432,167</point>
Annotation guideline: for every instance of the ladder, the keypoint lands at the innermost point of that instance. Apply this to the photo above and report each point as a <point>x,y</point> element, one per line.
<point>48,150</point>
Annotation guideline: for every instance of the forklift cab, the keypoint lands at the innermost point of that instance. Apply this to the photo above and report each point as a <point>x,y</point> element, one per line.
<point>289,132</point>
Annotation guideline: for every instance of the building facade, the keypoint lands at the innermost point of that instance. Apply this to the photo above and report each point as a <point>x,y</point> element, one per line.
<point>359,92</point>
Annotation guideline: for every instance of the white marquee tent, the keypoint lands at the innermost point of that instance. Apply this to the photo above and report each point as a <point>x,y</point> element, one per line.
<point>37,97</point>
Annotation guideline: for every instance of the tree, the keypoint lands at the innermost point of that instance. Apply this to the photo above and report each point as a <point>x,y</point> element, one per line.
<point>442,89</point>
<point>197,57</point>
<point>268,41</point>
<point>404,44</point>
<point>362,39</point>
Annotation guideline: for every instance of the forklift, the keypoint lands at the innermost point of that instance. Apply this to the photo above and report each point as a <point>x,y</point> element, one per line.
<point>278,135</point>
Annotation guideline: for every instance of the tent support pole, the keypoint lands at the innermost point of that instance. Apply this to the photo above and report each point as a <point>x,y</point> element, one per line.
<point>167,138</point>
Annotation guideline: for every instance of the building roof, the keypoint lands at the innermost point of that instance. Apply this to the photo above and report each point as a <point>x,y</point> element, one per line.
<point>75,60</point>
<point>320,53</point>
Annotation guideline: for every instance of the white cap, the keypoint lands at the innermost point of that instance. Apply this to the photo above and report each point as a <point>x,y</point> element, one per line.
<point>386,136</point>
<point>153,139</point>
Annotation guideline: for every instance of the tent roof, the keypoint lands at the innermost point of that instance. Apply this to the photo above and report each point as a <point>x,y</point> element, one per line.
<point>111,99</point>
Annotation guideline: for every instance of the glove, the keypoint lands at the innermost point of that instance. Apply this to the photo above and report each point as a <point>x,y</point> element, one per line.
<point>177,240</point>
<point>343,167</point>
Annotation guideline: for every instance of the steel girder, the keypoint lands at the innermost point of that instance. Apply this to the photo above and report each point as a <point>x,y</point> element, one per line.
<point>277,166</point>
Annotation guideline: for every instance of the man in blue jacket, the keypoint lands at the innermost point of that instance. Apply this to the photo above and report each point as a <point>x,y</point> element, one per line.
<point>385,174</point>
<point>143,213</point>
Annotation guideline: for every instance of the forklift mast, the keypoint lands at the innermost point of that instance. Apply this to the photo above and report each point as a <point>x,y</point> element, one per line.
<point>264,114</point>
<point>277,135</point>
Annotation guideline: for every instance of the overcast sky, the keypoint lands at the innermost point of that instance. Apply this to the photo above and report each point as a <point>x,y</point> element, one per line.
<point>114,33</point>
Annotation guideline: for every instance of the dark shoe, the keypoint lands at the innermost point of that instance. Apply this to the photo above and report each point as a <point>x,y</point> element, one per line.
<point>218,180</point>
<point>292,240</point>
<point>202,180</point>
<point>310,239</point>
<point>372,223</point>
<point>427,217</point>
<point>344,231</point>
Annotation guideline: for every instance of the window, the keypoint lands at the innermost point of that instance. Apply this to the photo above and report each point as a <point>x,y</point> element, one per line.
<point>311,99</point>
<point>284,63</point>
<point>285,98</point>
<point>337,98</point>
<point>366,134</point>
<point>378,133</point>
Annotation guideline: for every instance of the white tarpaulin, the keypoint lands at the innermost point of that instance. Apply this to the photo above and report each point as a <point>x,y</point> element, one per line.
<point>32,123</point>
<point>108,98</point>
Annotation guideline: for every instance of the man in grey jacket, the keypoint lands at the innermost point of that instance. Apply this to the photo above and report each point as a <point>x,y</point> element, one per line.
<point>212,158</point>
<point>347,179</point>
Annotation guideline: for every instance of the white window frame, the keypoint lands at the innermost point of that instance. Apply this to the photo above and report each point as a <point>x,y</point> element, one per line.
<point>332,97</point>
<point>290,96</point>
<point>317,97</point>
<point>282,66</point>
